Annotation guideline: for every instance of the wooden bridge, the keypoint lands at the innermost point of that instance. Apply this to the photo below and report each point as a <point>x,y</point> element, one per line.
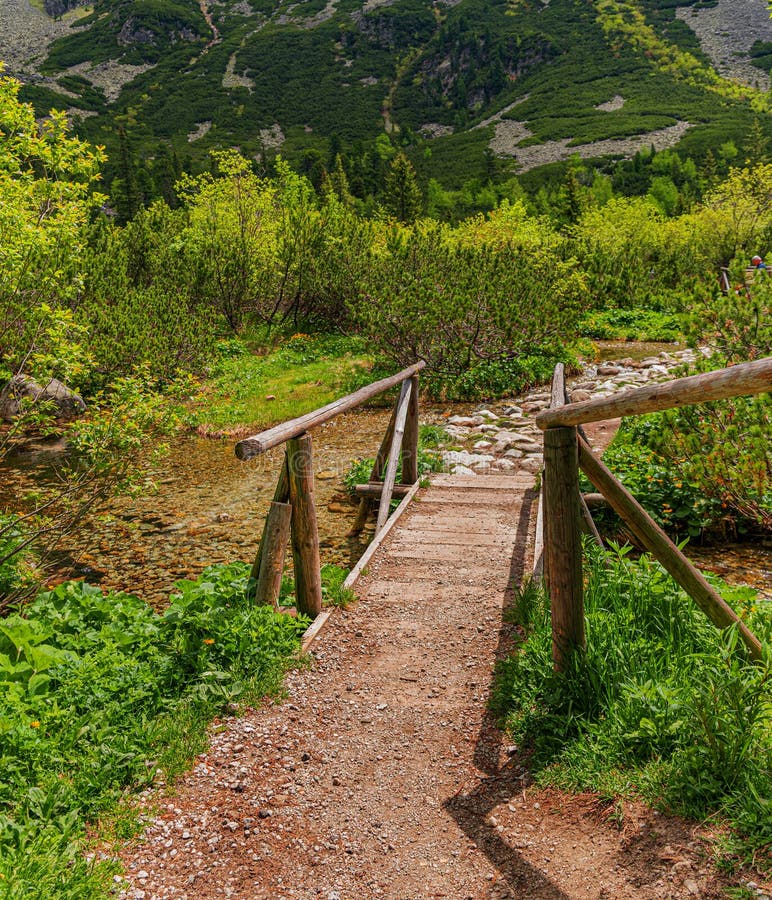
<point>384,774</point>
<point>466,531</point>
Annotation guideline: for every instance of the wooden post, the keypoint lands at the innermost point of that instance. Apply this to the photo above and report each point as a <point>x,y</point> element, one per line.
<point>410,442</point>
<point>375,474</point>
<point>273,547</point>
<point>589,522</point>
<point>280,495</point>
<point>654,539</point>
<point>394,452</point>
<point>538,544</point>
<point>305,536</point>
<point>563,543</point>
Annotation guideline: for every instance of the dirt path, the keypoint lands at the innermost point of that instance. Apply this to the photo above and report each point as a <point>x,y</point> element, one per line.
<point>383,773</point>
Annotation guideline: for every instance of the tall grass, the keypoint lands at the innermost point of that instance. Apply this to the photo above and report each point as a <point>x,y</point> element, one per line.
<point>661,704</point>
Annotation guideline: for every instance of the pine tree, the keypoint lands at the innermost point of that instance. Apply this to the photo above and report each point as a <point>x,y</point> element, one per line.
<point>337,182</point>
<point>403,198</point>
<point>709,171</point>
<point>756,145</point>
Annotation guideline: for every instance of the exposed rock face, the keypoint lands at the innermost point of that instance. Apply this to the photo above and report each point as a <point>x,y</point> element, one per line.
<point>56,8</point>
<point>67,403</point>
<point>134,33</point>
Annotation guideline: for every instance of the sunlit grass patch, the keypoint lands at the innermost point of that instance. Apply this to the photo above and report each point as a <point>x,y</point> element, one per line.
<point>249,392</point>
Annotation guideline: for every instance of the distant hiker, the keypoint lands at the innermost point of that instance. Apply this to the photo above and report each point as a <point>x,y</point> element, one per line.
<point>758,263</point>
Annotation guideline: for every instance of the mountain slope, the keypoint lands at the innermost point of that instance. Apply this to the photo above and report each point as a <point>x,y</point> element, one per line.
<point>449,81</point>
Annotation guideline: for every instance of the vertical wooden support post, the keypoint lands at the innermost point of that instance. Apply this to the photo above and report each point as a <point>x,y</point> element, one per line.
<point>563,544</point>
<point>273,547</point>
<point>394,454</point>
<point>280,495</point>
<point>375,474</point>
<point>305,536</point>
<point>410,441</point>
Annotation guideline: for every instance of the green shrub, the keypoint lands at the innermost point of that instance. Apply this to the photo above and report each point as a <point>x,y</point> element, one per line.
<point>631,325</point>
<point>482,299</point>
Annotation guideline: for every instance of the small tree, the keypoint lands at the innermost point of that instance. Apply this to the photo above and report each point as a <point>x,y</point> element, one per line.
<point>403,198</point>
<point>46,198</point>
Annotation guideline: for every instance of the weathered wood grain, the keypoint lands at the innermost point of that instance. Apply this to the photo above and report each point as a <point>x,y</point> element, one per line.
<point>305,535</point>
<point>563,543</point>
<point>394,453</point>
<point>734,381</point>
<point>273,547</point>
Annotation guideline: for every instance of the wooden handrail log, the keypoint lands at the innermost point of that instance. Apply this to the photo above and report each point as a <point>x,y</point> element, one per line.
<point>735,381</point>
<point>264,440</point>
<point>654,539</point>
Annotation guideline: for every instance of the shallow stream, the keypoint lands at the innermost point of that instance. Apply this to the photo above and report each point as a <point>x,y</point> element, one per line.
<point>209,507</point>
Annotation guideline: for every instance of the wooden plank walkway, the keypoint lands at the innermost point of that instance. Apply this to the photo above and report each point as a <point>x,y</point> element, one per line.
<point>367,781</point>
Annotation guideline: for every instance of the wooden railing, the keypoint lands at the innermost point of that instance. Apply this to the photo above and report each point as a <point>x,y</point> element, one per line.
<point>292,513</point>
<point>566,450</point>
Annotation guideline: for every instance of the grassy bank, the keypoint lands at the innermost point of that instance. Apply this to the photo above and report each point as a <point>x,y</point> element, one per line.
<point>252,390</point>
<point>661,706</point>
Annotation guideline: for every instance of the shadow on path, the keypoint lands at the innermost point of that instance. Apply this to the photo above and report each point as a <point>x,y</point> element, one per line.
<point>517,876</point>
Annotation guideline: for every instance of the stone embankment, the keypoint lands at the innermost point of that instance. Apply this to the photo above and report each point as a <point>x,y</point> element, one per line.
<point>505,439</point>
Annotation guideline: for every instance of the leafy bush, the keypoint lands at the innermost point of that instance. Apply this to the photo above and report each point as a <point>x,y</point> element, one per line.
<point>661,703</point>
<point>708,466</point>
<point>631,325</point>
<point>679,506</point>
<point>484,296</point>
<point>495,378</point>
<point>99,693</point>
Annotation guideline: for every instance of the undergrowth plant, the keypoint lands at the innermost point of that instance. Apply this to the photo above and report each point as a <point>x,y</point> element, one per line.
<point>661,704</point>
<point>100,695</point>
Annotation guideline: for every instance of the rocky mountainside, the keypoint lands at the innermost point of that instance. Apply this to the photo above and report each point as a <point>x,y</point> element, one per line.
<point>476,87</point>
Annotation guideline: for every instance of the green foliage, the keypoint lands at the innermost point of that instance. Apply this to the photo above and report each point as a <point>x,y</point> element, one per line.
<point>678,505</point>
<point>480,296</point>
<point>631,325</point>
<point>707,467</point>
<point>139,302</point>
<point>45,179</point>
<point>402,197</point>
<point>97,692</point>
<point>333,591</point>
<point>660,703</point>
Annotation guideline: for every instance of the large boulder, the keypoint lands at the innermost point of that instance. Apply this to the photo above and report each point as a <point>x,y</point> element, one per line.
<point>67,404</point>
